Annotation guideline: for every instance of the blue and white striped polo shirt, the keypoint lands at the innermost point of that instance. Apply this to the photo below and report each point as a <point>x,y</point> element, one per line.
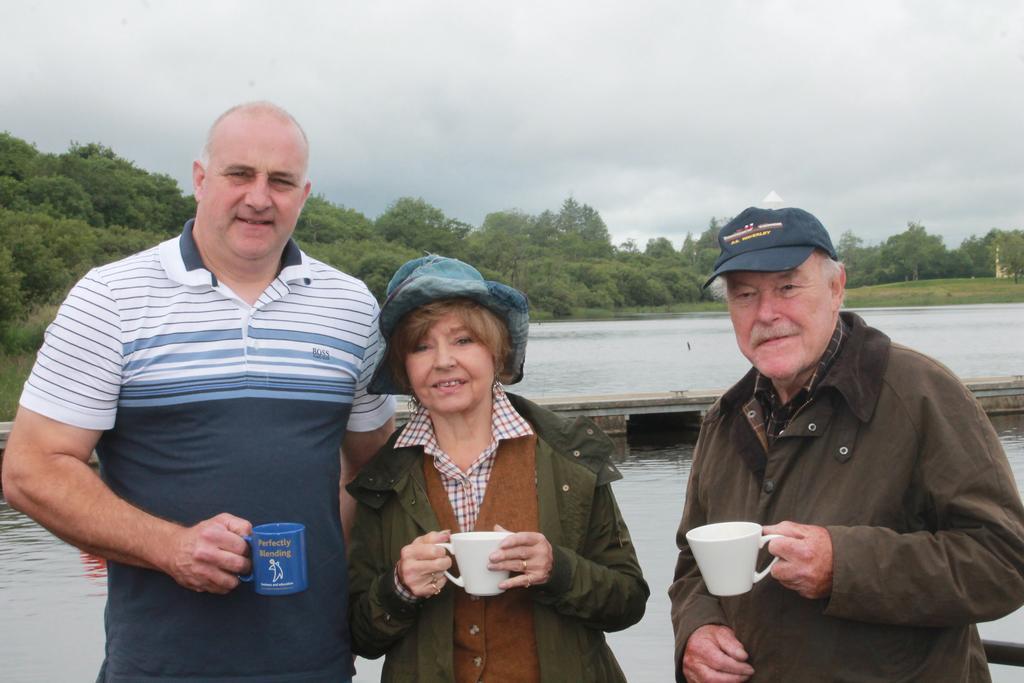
<point>210,405</point>
<point>157,329</point>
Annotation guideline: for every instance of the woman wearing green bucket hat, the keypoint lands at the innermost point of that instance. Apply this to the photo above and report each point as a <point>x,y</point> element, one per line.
<point>475,458</point>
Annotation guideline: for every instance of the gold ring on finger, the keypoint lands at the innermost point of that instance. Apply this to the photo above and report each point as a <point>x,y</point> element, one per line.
<point>437,589</point>
<point>523,570</point>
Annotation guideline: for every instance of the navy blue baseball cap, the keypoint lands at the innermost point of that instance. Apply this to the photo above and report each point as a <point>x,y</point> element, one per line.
<point>769,240</point>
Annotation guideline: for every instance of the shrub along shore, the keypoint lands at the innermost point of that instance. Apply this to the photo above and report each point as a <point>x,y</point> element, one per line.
<point>949,292</point>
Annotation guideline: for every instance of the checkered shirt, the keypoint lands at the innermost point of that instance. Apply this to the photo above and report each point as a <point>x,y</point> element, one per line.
<point>465,489</point>
<point>767,415</point>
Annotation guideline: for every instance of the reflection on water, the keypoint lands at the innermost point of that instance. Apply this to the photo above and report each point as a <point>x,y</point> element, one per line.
<point>1010,429</point>
<point>94,568</point>
<point>53,595</point>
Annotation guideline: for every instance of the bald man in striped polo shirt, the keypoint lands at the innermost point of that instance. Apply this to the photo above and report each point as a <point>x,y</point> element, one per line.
<point>215,375</point>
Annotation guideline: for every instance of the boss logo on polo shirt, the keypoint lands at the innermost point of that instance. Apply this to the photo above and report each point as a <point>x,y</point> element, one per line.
<point>321,354</point>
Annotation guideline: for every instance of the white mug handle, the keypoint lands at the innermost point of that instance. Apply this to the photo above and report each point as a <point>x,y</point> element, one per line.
<point>457,580</point>
<point>764,572</point>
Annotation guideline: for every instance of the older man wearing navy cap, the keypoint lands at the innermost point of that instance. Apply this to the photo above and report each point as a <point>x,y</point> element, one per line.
<point>900,523</point>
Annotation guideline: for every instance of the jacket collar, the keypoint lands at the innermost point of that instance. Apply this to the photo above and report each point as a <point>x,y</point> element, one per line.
<point>579,440</point>
<point>564,435</point>
<point>858,371</point>
<point>856,374</point>
<point>384,473</point>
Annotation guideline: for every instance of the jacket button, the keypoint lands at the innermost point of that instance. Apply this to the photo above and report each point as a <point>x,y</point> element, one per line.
<point>478,661</point>
<point>590,431</point>
<point>576,453</point>
<point>474,629</point>
<point>751,413</point>
<point>769,486</point>
<point>812,427</point>
<point>565,487</point>
<point>843,450</point>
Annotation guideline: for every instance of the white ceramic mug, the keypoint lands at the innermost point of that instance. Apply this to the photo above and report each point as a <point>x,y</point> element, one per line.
<point>471,550</point>
<point>726,554</point>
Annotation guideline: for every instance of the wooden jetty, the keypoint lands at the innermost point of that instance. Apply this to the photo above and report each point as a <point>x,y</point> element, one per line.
<point>683,409</point>
<point>619,413</point>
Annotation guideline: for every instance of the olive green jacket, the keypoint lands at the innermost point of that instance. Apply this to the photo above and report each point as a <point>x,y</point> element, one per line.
<point>595,586</point>
<point>896,459</point>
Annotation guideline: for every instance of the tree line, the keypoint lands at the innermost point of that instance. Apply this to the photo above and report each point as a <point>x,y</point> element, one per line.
<point>61,214</point>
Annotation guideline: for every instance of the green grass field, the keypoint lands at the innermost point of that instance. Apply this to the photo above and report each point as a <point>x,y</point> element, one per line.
<point>13,372</point>
<point>987,290</point>
<point>14,368</point>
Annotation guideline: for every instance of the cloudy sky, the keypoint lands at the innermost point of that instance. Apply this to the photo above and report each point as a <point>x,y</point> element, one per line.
<point>660,114</point>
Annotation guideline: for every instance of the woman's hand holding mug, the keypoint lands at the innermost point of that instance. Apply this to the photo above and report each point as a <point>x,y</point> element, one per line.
<point>526,553</point>
<point>422,564</point>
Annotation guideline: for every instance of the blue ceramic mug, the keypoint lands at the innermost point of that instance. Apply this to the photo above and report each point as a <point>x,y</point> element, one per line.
<point>278,558</point>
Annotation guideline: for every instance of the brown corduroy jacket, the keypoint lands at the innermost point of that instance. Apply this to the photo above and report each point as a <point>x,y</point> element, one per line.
<point>895,458</point>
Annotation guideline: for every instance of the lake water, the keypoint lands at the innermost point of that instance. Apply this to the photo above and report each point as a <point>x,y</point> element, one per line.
<point>698,351</point>
<point>53,595</point>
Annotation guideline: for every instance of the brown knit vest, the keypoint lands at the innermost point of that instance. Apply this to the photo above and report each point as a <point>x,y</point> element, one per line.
<point>494,638</point>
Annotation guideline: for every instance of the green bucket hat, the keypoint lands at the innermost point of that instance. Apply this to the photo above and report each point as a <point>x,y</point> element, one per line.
<point>434,278</point>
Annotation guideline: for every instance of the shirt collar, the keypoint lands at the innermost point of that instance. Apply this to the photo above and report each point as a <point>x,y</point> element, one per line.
<point>183,263</point>
<point>764,390</point>
<point>506,423</point>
